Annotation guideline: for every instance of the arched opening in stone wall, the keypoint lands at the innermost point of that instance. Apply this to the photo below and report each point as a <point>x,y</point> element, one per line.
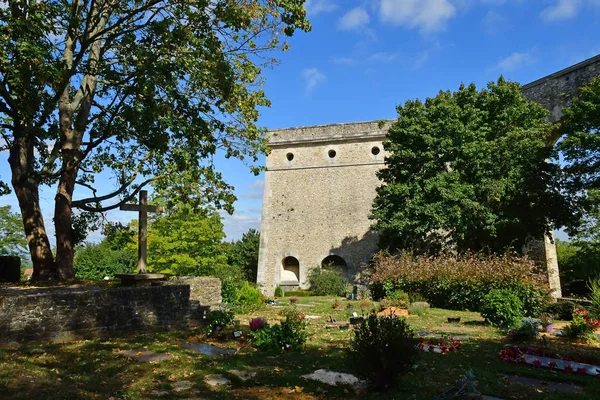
<point>335,263</point>
<point>290,272</point>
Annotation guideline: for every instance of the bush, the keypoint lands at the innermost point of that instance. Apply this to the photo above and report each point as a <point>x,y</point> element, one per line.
<point>382,348</point>
<point>299,293</point>
<point>289,335</point>
<point>501,308</point>
<point>418,308</point>
<point>278,291</point>
<point>398,298</point>
<point>459,282</point>
<point>594,287</point>
<point>582,326</point>
<point>95,261</point>
<point>248,295</point>
<point>327,283</point>
<point>229,291</point>
<point>218,319</point>
<point>561,310</point>
<point>528,329</point>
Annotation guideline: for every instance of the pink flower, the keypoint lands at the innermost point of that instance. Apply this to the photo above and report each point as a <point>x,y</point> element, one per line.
<point>537,363</point>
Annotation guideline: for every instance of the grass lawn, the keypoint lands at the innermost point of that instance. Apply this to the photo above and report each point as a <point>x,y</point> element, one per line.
<point>93,369</point>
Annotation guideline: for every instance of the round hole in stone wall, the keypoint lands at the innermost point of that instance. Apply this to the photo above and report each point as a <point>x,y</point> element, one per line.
<point>375,150</point>
<point>289,156</point>
<point>331,153</point>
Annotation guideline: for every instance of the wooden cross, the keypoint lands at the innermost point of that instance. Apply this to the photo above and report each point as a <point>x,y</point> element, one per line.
<point>143,208</point>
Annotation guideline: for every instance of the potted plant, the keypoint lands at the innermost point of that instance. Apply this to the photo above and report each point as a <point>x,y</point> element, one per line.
<point>547,322</point>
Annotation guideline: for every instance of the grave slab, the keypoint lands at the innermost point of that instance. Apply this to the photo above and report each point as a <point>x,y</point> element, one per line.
<point>242,375</point>
<point>545,385</point>
<point>143,355</point>
<point>426,334</point>
<point>182,386</point>
<point>592,370</point>
<point>334,378</point>
<point>208,349</point>
<point>216,380</point>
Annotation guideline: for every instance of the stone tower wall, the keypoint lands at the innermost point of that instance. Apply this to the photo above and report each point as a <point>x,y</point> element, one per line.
<point>315,205</point>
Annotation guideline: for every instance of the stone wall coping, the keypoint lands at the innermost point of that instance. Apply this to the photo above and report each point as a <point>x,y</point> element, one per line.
<point>562,72</point>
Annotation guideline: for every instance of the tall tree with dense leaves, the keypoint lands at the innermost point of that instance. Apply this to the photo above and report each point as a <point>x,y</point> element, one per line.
<point>144,89</point>
<point>469,169</point>
<point>243,254</point>
<point>186,242</point>
<point>12,239</point>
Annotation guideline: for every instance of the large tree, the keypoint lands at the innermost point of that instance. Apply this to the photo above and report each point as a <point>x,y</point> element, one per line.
<point>12,239</point>
<point>243,254</point>
<point>144,89</point>
<point>470,170</point>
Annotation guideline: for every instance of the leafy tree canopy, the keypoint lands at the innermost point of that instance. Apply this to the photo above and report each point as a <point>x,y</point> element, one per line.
<point>469,169</point>
<point>12,239</point>
<point>143,89</point>
<point>243,254</point>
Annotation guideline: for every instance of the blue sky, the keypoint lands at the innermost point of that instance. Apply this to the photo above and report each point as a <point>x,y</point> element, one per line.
<point>363,58</point>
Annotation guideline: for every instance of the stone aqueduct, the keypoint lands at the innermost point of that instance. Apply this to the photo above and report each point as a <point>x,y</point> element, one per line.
<point>320,182</point>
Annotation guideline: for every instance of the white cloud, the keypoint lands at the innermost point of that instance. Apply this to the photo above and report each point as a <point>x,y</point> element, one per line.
<point>354,19</point>
<point>314,7</point>
<point>240,222</point>
<point>421,59</point>
<point>515,61</point>
<point>383,57</point>
<point>343,60</point>
<point>255,190</point>
<point>425,15</point>
<point>561,10</point>
<point>313,77</point>
<point>494,22</point>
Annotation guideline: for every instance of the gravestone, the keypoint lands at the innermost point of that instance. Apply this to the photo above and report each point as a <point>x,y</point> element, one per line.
<point>10,269</point>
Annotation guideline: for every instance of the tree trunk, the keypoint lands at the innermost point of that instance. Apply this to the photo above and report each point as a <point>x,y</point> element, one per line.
<point>26,188</point>
<point>63,217</point>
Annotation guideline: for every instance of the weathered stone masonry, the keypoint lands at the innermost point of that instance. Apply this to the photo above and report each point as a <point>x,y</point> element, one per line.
<point>61,314</point>
<point>320,182</point>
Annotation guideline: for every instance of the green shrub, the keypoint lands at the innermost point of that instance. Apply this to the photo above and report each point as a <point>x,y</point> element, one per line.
<point>326,283</point>
<point>582,326</point>
<point>501,308</point>
<point>229,291</point>
<point>299,293</point>
<point>218,319</point>
<point>279,291</point>
<point>459,282</point>
<point>248,295</point>
<point>95,261</point>
<point>289,335</point>
<point>527,330</point>
<point>399,298</point>
<point>594,287</point>
<point>382,348</point>
<point>418,308</point>
<point>561,310</point>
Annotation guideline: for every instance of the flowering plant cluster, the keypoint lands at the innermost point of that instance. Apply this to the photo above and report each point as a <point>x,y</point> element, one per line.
<point>527,330</point>
<point>580,316</point>
<point>446,344</point>
<point>515,355</point>
<point>459,282</point>
<point>258,323</point>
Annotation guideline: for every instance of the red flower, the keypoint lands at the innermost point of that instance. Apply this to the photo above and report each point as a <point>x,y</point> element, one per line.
<point>582,371</point>
<point>537,363</point>
<point>552,364</point>
<point>569,369</point>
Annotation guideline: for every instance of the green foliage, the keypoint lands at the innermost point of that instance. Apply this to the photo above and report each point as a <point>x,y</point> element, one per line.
<point>383,348</point>
<point>561,310</point>
<point>186,242</point>
<point>279,291</point>
<point>243,254</point>
<point>229,290</point>
<point>501,308</point>
<point>299,293</point>
<point>96,261</point>
<point>459,282</point>
<point>594,286</point>
<point>578,261</point>
<point>582,326</point>
<point>326,283</point>
<point>148,91</point>
<point>419,308</point>
<point>247,295</point>
<point>218,319</point>
<point>12,238</point>
<point>289,335</point>
<point>527,330</point>
<point>469,169</point>
<point>399,297</point>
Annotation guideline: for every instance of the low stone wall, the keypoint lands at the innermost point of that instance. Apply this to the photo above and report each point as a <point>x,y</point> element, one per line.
<point>205,291</point>
<point>62,314</point>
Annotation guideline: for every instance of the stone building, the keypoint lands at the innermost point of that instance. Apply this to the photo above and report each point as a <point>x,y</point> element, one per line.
<point>320,183</point>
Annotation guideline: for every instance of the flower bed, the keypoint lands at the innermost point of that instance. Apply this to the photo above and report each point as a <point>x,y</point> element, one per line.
<point>539,357</point>
<point>443,345</point>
